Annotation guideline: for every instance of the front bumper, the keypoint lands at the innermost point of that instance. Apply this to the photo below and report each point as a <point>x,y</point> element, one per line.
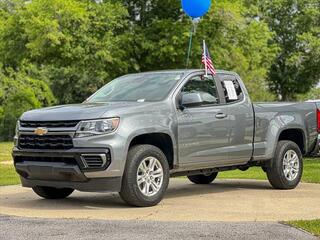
<point>65,174</point>
<point>112,184</point>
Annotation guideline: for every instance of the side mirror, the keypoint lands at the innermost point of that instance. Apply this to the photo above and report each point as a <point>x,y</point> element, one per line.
<point>191,99</point>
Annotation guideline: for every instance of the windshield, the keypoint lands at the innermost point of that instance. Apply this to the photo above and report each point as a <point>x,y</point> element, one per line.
<point>146,87</point>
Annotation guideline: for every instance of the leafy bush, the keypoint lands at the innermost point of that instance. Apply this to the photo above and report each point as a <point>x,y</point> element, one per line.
<point>20,93</point>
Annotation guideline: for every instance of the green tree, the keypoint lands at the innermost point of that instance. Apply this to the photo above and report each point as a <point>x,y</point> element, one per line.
<point>76,46</point>
<point>296,68</point>
<point>240,44</point>
<point>20,93</point>
<point>19,102</point>
<point>144,13</point>
<point>313,94</point>
<point>160,35</point>
<point>73,47</point>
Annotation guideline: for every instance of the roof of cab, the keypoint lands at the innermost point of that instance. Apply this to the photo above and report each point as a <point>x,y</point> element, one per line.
<point>185,71</point>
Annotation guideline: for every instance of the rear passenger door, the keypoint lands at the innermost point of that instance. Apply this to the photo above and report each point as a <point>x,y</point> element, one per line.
<point>240,119</point>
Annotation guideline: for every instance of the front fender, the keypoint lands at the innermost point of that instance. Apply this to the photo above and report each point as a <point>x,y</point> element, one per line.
<point>148,125</point>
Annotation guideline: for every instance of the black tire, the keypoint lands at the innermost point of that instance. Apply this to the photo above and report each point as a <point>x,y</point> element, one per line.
<point>275,172</point>
<point>52,193</point>
<point>130,191</point>
<point>203,179</point>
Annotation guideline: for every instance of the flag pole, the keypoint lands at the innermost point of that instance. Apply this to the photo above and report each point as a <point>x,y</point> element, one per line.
<point>205,55</point>
<point>190,45</point>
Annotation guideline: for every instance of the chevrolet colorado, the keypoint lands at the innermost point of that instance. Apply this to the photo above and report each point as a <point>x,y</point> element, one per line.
<point>140,129</point>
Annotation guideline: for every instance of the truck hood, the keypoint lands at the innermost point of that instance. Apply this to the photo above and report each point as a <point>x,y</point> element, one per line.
<point>84,111</point>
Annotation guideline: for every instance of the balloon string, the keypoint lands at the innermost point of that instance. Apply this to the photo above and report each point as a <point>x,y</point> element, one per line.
<point>190,45</point>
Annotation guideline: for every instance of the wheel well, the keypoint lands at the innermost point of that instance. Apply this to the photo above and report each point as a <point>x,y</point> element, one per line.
<point>161,140</point>
<point>294,135</point>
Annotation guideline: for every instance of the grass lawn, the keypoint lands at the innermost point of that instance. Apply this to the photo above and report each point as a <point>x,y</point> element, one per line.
<point>8,175</point>
<point>5,151</point>
<point>311,172</point>
<point>312,226</point>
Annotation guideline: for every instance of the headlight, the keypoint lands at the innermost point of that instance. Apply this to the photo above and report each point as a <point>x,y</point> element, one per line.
<point>97,127</point>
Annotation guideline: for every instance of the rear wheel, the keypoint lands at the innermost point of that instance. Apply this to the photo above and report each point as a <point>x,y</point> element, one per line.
<point>52,193</point>
<point>203,179</point>
<point>146,176</point>
<point>285,170</point>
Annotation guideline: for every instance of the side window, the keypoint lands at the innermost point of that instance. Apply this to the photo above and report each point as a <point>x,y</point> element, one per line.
<point>232,90</point>
<point>205,86</point>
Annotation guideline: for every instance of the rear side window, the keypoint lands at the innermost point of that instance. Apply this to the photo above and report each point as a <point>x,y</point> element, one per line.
<point>232,89</point>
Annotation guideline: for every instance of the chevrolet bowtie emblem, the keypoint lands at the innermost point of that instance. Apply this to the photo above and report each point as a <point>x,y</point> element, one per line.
<point>40,131</point>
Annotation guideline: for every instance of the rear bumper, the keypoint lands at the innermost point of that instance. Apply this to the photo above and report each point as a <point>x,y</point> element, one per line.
<point>69,173</point>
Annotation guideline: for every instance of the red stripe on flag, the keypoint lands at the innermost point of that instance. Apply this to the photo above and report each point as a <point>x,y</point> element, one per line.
<point>208,63</point>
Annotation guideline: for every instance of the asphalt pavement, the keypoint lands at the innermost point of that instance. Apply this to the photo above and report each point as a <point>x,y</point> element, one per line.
<point>17,228</point>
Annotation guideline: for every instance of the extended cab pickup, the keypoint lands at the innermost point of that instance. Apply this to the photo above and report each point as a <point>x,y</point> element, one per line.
<point>140,129</point>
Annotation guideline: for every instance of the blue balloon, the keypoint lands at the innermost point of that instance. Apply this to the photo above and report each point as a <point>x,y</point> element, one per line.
<point>196,8</point>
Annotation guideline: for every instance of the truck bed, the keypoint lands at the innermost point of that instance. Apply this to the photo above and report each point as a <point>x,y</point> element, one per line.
<point>272,119</point>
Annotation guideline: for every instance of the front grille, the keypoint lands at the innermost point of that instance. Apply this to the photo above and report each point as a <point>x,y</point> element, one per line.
<point>45,142</point>
<point>51,124</point>
<point>67,160</point>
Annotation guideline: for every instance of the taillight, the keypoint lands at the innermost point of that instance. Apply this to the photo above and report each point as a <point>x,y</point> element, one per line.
<point>318,120</point>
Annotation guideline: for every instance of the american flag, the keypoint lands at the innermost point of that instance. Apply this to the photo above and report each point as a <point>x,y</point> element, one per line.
<point>206,60</point>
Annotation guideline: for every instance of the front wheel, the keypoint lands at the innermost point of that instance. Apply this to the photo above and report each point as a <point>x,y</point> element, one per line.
<point>285,170</point>
<point>146,176</point>
<point>52,193</point>
<point>203,179</point>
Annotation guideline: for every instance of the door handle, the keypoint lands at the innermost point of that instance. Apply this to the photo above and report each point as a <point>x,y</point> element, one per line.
<point>221,115</point>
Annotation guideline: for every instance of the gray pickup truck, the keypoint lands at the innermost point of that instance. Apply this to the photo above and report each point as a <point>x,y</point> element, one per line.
<point>140,129</point>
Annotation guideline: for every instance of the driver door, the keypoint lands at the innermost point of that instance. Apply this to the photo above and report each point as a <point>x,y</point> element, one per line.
<point>203,129</point>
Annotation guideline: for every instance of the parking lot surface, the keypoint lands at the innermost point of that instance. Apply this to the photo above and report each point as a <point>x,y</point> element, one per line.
<point>223,200</point>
